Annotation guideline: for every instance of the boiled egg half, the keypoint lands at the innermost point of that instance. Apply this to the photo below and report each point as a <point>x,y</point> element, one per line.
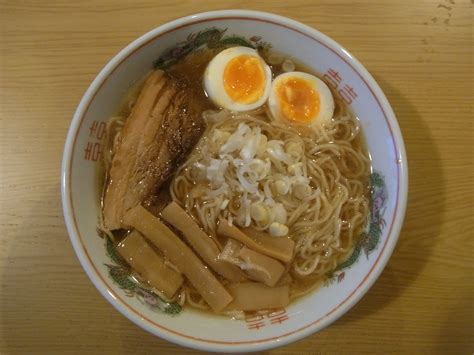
<point>238,79</point>
<point>300,98</point>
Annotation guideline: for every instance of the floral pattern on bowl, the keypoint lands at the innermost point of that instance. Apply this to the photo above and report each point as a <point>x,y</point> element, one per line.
<point>122,274</point>
<point>210,38</point>
<point>370,238</point>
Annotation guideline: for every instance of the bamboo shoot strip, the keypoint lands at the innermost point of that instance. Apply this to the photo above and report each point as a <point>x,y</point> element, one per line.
<point>255,296</point>
<point>280,248</point>
<point>151,267</point>
<point>271,269</point>
<point>180,255</point>
<point>200,241</point>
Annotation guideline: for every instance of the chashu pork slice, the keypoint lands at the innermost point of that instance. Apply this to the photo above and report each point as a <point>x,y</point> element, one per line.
<point>164,125</point>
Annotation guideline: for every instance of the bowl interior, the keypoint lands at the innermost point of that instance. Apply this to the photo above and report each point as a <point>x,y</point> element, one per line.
<point>81,187</point>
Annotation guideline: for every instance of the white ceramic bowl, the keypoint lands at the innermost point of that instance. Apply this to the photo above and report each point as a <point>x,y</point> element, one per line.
<point>80,188</point>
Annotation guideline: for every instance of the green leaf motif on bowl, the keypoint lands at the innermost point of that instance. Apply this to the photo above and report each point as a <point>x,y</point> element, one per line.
<point>211,38</point>
<point>121,273</point>
<point>370,238</point>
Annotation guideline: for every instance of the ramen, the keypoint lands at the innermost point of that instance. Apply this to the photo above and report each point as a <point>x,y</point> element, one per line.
<point>235,181</point>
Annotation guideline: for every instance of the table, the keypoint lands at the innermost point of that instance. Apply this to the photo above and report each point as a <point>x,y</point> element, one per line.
<point>421,54</point>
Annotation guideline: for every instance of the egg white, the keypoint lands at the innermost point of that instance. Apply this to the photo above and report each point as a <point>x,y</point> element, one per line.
<point>326,101</point>
<point>214,79</point>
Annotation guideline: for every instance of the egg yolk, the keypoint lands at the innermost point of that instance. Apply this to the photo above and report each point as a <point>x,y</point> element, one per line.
<point>299,102</point>
<point>244,79</point>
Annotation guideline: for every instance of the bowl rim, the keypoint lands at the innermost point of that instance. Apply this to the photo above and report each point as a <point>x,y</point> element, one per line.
<point>207,344</point>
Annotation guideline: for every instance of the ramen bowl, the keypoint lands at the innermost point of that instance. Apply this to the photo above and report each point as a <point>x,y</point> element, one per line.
<point>343,288</point>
